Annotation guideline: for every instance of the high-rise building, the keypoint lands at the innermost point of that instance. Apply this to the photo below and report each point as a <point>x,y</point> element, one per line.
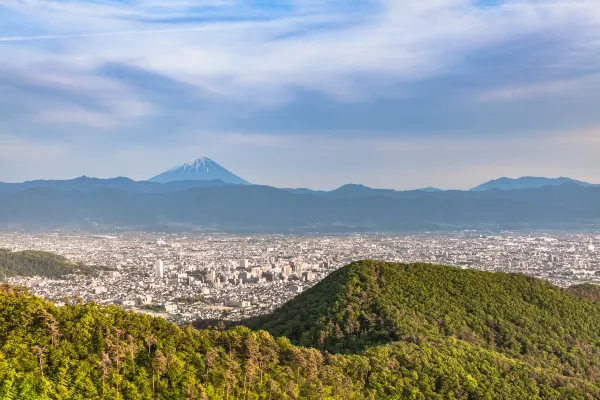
<point>159,269</point>
<point>211,275</point>
<point>244,263</point>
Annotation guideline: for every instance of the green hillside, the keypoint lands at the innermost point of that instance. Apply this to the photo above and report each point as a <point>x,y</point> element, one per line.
<point>93,352</point>
<point>586,291</point>
<point>37,263</point>
<point>371,330</point>
<point>371,302</point>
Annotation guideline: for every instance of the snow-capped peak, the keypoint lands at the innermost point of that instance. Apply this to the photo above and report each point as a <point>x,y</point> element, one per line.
<point>200,168</point>
<point>199,161</point>
<point>194,164</point>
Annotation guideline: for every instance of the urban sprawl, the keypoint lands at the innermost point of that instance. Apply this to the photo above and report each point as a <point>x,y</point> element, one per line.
<point>189,277</point>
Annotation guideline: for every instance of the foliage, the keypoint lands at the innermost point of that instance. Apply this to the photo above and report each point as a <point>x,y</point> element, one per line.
<point>371,302</point>
<point>587,291</point>
<point>382,331</point>
<point>189,300</point>
<point>38,263</point>
<point>92,352</point>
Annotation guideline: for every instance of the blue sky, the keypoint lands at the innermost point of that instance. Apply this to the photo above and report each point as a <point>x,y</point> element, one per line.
<point>302,93</point>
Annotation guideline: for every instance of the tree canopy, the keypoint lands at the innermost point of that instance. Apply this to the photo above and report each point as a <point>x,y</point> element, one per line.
<point>371,330</point>
<point>38,263</point>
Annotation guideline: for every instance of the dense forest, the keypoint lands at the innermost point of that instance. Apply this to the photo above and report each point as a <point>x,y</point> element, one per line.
<point>38,263</point>
<point>373,302</point>
<point>371,330</point>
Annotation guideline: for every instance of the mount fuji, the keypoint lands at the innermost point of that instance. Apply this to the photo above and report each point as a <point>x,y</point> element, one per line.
<point>199,169</point>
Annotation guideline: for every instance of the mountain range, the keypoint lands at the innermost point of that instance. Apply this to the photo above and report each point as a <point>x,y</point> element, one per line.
<point>215,205</point>
<point>190,199</point>
<point>205,169</point>
<point>526,182</point>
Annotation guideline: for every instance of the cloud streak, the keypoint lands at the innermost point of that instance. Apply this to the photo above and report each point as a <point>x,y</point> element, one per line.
<point>122,74</point>
<point>84,35</point>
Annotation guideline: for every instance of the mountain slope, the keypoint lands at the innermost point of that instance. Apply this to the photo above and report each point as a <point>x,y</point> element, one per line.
<point>198,169</point>
<point>86,351</point>
<point>586,291</point>
<point>526,182</point>
<point>370,303</point>
<point>37,263</point>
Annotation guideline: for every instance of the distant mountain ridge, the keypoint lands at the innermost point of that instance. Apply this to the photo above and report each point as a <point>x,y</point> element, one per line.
<point>526,182</point>
<point>84,183</point>
<point>218,206</point>
<point>226,207</point>
<point>199,169</point>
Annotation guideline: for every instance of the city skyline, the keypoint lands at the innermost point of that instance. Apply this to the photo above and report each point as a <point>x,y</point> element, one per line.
<point>299,94</point>
<point>189,277</point>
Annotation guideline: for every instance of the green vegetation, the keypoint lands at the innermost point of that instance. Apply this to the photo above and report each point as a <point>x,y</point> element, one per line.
<point>153,308</point>
<point>38,263</point>
<point>587,291</point>
<point>189,300</point>
<point>371,330</point>
<point>372,302</point>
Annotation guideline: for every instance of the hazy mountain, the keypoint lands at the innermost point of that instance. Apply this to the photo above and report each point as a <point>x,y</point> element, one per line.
<point>198,169</point>
<point>356,191</point>
<point>263,208</point>
<point>526,182</point>
<point>85,183</point>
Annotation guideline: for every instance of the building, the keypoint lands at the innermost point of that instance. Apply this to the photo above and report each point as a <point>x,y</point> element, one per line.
<point>113,274</point>
<point>296,289</point>
<point>159,269</point>
<point>144,300</point>
<point>128,303</point>
<point>237,303</point>
<point>99,289</point>
<point>211,275</point>
<point>170,308</point>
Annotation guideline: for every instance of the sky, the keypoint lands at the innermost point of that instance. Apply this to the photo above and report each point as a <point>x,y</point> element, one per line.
<point>302,93</point>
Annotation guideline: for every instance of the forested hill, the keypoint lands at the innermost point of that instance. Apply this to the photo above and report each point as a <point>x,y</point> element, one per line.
<point>587,291</point>
<point>369,303</point>
<point>93,352</point>
<point>37,263</point>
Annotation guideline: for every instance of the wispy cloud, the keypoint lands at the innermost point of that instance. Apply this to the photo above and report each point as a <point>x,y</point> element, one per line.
<point>86,35</point>
<point>128,71</point>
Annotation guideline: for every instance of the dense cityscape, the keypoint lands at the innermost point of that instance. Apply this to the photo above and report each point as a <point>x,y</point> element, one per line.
<point>188,277</point>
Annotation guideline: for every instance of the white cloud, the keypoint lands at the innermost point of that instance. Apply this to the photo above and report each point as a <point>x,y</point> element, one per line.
<point>261,58</point>
<point>524,91</point>
<point>400,41</point>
